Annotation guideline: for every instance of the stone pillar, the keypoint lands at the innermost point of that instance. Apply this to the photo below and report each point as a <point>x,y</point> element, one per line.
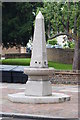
<point>39,55</point>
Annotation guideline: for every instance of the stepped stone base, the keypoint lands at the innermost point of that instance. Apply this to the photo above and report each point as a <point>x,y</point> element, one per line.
<point>22,98</point>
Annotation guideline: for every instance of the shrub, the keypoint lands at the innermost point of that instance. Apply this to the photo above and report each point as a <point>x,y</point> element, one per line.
<point>71,44</point>
<point>52,42</point>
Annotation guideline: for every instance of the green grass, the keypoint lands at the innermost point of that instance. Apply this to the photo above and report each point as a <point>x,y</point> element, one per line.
<point>60,66</point>
<point>26,62</point>
<point>17,61</point>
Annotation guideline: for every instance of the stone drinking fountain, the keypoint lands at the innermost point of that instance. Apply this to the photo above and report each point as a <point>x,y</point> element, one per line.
<point>38,87</point>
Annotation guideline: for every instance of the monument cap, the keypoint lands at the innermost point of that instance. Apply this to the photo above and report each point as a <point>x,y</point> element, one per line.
<point>39,15</point>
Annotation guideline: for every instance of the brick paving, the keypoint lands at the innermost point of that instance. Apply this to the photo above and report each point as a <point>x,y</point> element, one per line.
<point>68,109</point>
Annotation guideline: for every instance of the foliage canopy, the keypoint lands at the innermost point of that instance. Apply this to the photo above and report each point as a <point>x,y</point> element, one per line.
<point>17,22</point>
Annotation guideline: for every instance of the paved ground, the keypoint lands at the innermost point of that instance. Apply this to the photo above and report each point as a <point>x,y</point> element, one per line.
<point>9,118</point>
<point>16,118</point>
<point>67,109</point>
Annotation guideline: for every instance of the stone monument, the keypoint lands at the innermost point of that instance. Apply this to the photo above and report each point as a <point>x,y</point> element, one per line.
<point>38,87</point>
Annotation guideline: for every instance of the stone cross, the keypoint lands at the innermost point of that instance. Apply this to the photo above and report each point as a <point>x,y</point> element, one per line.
<point>39,54</point>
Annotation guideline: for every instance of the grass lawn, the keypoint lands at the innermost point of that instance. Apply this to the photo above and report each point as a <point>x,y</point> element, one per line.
<point>26,62</point>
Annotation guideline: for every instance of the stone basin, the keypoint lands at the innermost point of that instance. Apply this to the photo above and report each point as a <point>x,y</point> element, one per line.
<point>39,71</point>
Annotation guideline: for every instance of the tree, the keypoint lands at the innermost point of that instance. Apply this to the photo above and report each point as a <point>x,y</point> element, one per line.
<point>76,60</point>
<point>17,22</point>
<point>60,19</point>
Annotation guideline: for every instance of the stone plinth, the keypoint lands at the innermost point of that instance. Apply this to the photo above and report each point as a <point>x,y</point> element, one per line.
<point>38,82</point>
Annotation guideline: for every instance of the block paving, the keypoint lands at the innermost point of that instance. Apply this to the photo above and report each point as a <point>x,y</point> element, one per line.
<point>68,109</point>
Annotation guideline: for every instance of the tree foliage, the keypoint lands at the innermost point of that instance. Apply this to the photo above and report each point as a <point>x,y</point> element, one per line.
<point>60,17</point>
<point>17,22</point>
<point>63,18</point>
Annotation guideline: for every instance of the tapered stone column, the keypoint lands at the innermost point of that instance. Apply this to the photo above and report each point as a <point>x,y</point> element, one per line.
<point>39,54</point>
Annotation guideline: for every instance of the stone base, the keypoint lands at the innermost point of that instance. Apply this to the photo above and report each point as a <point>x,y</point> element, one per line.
<point>38,88</point>
<point>38,83</point>
<point>55,98</point>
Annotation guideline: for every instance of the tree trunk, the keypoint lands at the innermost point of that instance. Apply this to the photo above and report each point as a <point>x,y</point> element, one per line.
<point>79,55</point>
<point>68,16</point>
<point>76,59</point>
<point>48,31</point>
